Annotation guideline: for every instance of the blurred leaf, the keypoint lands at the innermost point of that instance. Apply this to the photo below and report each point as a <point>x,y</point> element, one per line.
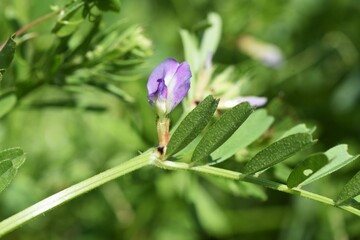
<point>7,54</point>
<point>256,125</point>
<point>114,90</point>
<point>211,38</point>
<point>220,131</point>
<point>300,128</point>
<point>306,168</point>
<point>64,20</point>
<point>209,213</point>
<point>277,152</point>
<point>192,54</point>
<point>192,125</point>
<point>7,102</point>
<point>338,158</point>
<point>10,161</point>
<point>350,190</point>
<point>108,5</point>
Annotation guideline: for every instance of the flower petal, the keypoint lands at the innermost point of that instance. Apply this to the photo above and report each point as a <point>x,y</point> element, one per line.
<point>159,94</point>
<point>253,100</point>
<point>178,86</point>
<point>165,71</point>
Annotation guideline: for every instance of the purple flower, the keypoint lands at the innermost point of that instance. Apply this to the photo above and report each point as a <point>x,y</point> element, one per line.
<point>168,84</point>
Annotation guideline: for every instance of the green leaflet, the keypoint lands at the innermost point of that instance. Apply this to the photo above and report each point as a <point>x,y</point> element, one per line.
<point>338,158</point>
<point>256,124</point>
<point>220,131</point>
<point>192,125</point>
<point>350,190</point>
<point>7,54</point>
<point>306,168</point>
<point>10,161</point>
<point>277,152</point>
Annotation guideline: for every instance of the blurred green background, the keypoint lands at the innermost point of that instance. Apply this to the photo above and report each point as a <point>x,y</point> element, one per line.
<point>318,83</point>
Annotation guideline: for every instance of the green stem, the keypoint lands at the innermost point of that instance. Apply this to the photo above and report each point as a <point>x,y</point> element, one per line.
<point>253,179</point>
<point>76,190</point>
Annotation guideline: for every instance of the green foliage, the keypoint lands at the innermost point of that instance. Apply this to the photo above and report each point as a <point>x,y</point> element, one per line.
<point>221,131</point>
<point>10,161</point>
<point>350,190</point>
<point>277,152</point>
<point>338,157</point>
<point>74,99</point>
<point>253,127</point>
<point>192,125</point>
<point>306,168</point>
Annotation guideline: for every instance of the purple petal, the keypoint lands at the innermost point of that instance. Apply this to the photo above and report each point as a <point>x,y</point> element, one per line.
<point>164,71</point>
<point>178,86</point>
<point>159,94</point>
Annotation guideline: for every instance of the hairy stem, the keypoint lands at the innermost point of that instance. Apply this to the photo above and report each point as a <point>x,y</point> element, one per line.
<point>74,191</point>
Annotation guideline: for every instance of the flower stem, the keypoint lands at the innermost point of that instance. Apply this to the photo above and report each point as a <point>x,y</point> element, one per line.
<point>163,125</point>
<point>76,190</point>
<point>224,173</point>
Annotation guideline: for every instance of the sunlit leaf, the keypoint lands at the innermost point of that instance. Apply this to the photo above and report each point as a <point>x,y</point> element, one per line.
<point>338,158</point>
<point>192,54</point>
<point>306,168</point>
<point>192,125</point>
<point>277,152</point>
<point>350,190</point>
<point>300,128</point>
<point>220,131</point>
<point>211,38</point>
<point>256,125</point>
<point>10,161</point>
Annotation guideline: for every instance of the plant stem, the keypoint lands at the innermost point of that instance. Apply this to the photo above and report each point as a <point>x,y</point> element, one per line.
<point>76,190</point>
<point>253,179</point>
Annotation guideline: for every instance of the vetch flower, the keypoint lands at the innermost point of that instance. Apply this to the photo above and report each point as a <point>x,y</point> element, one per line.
<point>168,84</point>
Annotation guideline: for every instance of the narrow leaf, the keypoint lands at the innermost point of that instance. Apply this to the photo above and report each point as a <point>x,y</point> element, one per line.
<point>338,158</point>
<point>211,37</point>
<point>7,53</point>
<point>277,152</point>
<point>220,131</point>
<point>10,161</point>
<point>192,125</point>
<point>350,190</point>
<point>306,168</point>
<point>255,126</point>
<point>192,55</point>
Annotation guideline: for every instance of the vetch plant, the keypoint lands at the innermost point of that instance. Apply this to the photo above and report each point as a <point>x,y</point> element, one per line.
<point>167,86</point>
<point>218,126</point>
